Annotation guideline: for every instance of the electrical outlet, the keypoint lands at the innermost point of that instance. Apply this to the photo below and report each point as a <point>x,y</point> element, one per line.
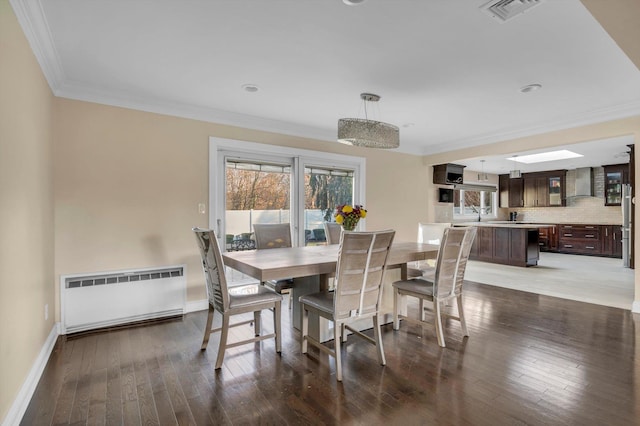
<point>202,208</point>
<point>46,312</point>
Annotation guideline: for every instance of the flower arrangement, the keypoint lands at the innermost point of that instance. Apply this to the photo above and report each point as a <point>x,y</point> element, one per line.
<point>348,216</point>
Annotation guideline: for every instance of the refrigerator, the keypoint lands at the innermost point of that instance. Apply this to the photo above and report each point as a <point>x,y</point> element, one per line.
<point>627,224</point>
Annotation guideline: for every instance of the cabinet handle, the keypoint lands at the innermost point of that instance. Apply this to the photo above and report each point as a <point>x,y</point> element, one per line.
<point>590,247</point>
<point>568,226</point>
<point>589,236</point>
<point>568,235</point>
<point>606,232</point>
<point>568,246</point>
<point>590,227</point>
<point>614,237</point>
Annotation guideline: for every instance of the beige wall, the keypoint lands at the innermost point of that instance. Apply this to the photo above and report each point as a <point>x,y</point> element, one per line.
<point>128,184</point>
<point>26,209</point>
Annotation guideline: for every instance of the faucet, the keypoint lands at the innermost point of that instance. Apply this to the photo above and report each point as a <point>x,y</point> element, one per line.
<point>476,210</point>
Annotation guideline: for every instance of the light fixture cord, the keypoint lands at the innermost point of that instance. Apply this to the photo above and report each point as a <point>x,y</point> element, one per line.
<point>366,117</point>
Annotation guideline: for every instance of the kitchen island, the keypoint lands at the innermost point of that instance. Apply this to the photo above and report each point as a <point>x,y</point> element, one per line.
<point>507,243</point>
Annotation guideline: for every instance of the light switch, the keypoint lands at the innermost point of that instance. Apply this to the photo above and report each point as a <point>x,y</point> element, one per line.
<point>202,209</point>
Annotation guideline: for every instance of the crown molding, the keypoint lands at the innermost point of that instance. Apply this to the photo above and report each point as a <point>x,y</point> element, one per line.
<point>592,117</point>
<point>194,112</point>
<point>34,25</point>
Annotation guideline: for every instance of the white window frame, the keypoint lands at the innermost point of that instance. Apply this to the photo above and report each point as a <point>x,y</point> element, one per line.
<point>492,215</point>
<point>220,149</point>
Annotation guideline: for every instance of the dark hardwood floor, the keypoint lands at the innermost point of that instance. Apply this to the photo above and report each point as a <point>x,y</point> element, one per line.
<point>530,359</point>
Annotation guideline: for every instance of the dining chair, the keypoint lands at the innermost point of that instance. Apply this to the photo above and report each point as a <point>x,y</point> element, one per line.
<point>428,233</point>
<point>233,301</point>
<point>360,271</point>
<point>446,284</point>
<point>270,236</point>
<point>333,231</point>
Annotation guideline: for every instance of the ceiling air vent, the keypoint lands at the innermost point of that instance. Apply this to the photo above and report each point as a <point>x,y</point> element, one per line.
<point>503,10</point>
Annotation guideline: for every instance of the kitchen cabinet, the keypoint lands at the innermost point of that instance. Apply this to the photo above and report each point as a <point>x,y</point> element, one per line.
<point>448,174</point>
<point>580,239</point>
<point>611,240</point>
<point>511,191</point>
<point>515,245</point>
<point>615,176</point>
<point>546,189</point>
<point>548,238</point>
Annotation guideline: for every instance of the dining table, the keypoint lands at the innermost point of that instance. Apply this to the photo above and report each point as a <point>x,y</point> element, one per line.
<point>311,267</point>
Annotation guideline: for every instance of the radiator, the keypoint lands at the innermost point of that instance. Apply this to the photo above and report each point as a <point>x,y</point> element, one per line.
<point>105,299</point>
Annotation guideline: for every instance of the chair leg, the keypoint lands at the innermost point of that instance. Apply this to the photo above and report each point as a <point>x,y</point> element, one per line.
<point>438,322</point>
<point>463,322</point>
<point>378,337</point>
<point>223,340</point>
<point>344,332</point>
<point>207,329</point>
<point>396,307</point>
<point>421,309</point>
<point>337,338</point>
<point>276,326</point>
<point>305,327</point>
<point>256,322</point>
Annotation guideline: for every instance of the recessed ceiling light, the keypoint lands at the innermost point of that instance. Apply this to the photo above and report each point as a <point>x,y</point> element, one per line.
<point>545,156</point>
<point>353,2</point>
<point>251,88</point>
<point>408,125</point>
<point>530,88</point>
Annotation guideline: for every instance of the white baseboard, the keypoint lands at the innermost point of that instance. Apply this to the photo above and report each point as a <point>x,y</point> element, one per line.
<point>20,404</point>
<point>197,305</point>
<point>635,307</point>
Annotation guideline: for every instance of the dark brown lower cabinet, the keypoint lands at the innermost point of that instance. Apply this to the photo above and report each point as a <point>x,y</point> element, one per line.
<point>612,240</point>
<point>507,246</point>
<point>594,240</point>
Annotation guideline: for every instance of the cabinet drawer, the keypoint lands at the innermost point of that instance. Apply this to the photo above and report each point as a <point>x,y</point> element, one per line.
<point>587,234</point>
<point>580,246</point>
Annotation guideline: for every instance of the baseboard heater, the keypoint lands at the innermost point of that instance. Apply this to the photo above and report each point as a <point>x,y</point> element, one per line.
<point>107,299</point>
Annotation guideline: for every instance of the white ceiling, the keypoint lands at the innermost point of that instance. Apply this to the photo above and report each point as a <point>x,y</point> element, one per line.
<point>447,72</point>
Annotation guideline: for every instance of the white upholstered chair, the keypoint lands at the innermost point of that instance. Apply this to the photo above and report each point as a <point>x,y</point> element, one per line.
<point>362,263</point>
<point>332,231</point>
<point>233,301</point>
<point>270,236</point>
<point>446,284</point>
<point>428,233</point>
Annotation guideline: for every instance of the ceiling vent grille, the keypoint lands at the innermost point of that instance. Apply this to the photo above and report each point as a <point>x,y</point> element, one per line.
<point>503,10</point>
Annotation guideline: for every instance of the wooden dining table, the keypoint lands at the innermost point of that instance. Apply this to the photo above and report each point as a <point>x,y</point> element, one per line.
<point>311,266</point>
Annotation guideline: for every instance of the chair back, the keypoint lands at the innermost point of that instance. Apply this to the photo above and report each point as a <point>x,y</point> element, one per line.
<point>431,233</point>
<point>452,261</point>
<point>272,235</point>
<point>213,267</point>
<point>362,263</point>
<point>332,231</point>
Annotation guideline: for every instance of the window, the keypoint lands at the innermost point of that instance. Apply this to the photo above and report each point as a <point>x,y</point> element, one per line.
<point>473,201</point>
<point>257,183</point>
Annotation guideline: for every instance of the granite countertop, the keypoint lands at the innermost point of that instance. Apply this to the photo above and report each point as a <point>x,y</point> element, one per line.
<point>524,225</point>
<point>505,224</point>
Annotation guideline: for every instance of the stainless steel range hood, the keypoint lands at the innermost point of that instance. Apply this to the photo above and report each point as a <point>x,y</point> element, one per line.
<point>584,182</point>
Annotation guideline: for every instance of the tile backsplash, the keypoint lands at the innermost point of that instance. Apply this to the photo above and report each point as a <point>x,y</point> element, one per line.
<point>578,210</point>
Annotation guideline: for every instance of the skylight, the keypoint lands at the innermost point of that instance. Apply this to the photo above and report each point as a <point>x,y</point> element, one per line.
<point>545,156</point>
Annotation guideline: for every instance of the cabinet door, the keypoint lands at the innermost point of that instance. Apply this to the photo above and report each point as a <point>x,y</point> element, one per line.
<point>530,192</point>
<point>516,188</point>
<point>554,186</point>
<point>504,191</point>
<point>542,192</point>
<point>485,243</point>
<point>501,244</point>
